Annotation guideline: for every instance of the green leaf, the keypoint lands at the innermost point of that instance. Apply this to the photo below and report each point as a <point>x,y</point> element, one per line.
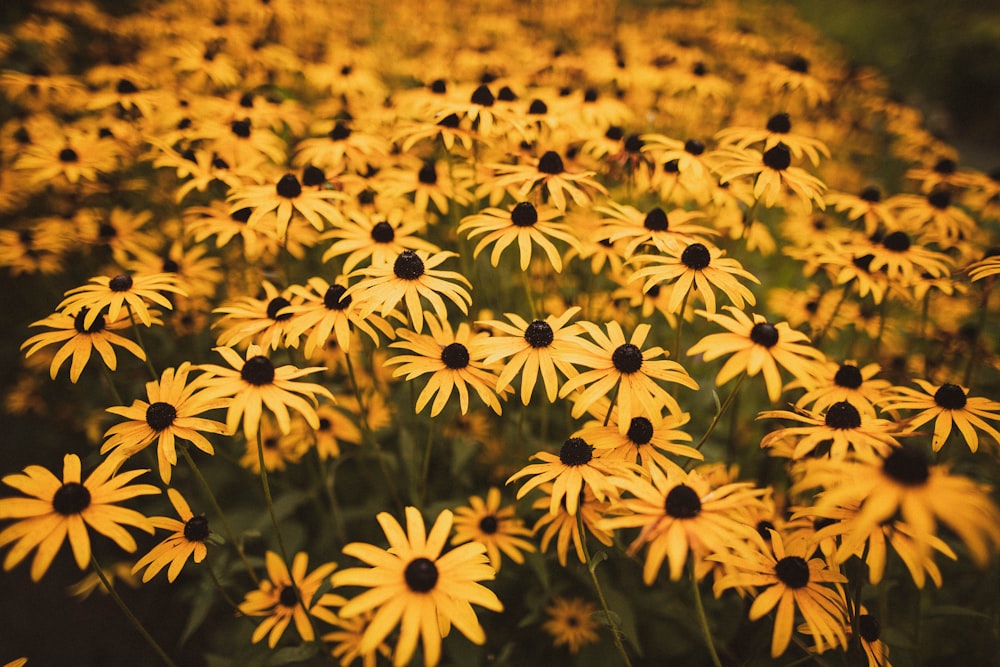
<point>204,598</point>
<point>292,654</point>
<point>596,560</point>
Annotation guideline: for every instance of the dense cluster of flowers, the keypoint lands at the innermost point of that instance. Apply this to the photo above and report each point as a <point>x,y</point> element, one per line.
<point>678,282</point>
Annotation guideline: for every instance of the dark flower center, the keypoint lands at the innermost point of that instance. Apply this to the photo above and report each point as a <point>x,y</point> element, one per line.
<point>95,327</point>
<point>505,94</point>
<point>241,128</point>
<point>869,628</point>
<point>656,220</point>
<point>383,232</point>
<point>627,358</point>
<point>897,242</point>
<point>764,528</point>
<point>550,163</point>
<point>21,136</point>
<point>778,158</point>
<point>792,571</point>
<point>439,86</point>
<point>428,174</point>
<point>160,415</point>
<point>843,416</point>
<point>779,123</point>
<point>408,266</point>
<point>313,176</point>
<point>170,266</point>
<point>950,397</point>
<point>246,100</point>
<point>71,498</point>
<point>538,108</point>
<point>539,334</point>
<point>340,131</point>
<point>694,147</point>
<point>489,524</point>
<point>672,167</point>
<point>848,376</point>
<point>633,144</point>
<point>699,69</point>
<point>483,96</point>
<point>258,371</point>
<point>696,256</point>
<point>798,64</point>
<point>68,155</point>
<point>939,199</point>
<point>576,452</point>
<point>945,166</point>
<point>640,431</point>
<point>455,356</point>
<point>907,465</point>
<point>764,334</point>
<point>590,95</point>
<point>682,502</point>
<point>421,575</point>
<point>450,121</point>
<point>120,283</point>
<point>863,262</point>
<point>275,305</point>
<point>871,194</point>
<point>289,187</point>
<point>125,87</point>
<point>334,298</point>
<point>288,597</point>
<point>524,215</point>
<point>614,133</point>
<point>241,215</point>
<point>196,529</point>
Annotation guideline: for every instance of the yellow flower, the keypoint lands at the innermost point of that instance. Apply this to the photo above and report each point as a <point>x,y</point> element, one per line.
<point>124,292</point>
<point>496,527</point>
<point>60,510</point>
<point>277,204</point>
<point>525,224</point>
<point>573,470</point>
<point>187,540</point>
<point>571,623</point>
<point>413,584</point>
<point>948,406</point>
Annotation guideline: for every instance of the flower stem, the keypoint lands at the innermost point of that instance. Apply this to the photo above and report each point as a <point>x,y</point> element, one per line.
<point>680,325</point>
<point>218,510</point>
<point>219,587</point>
<point>128,613</point>
<point>267,496</point>
<point>592,568</point>
<point>142,345</point>
<point>702,618</point>
<point>722,410</point>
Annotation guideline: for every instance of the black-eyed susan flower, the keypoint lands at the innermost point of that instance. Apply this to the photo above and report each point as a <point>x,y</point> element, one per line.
<point>564,527</point>
<point>254,383</point>
<point>290,595</point>
<point>905,482</point>
<point>842,428</point>
<point>124,292</point>
<point>903,259</point>
<point>647,441</point>
<point>936,214</point>
<point>759,347</point>
<point>276,204</point>
<point>539,347</point>
<point>573,470</point>
<point>426,184</point>
<point>170,413</point>
<point>549,175</point>
<point>59,510</point>
<point>778,129</point>
<point>187,541</point>
<point>788,579</point>
<point>571,623</point>
<point>408,278</point>
<point>341,148</point>
<point>279,450</point>
<point>524,223</point>
<point>696,268</point>
<point>80,340</point>
<point>347,641</point>
<point>866,207</point>
<point>681,515</point>
<point>626,369</point>
<point>984,268</point>
<point>78,157</point>
<point>414,585</point>
<point>377,238</point>
<point>949,406</point>
<point>773,174</point>
<point>263,321</point>
<point>454,358</point>
<point>846,382</point>
<point>326,310</point>
<point>498,528</point>
<point>657,228</point>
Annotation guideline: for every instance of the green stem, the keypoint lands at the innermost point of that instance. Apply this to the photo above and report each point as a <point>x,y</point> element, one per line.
<point>680,325</point>
<point>219,587</point>
<point>230,535</point>
<point>526,281</point>
<point>592,569</point>
<point>128,613</point>
<point>702,617</point>
<point>331,498</point>
<point>111,383</point>
<point>611,405</point>
<point>267,496</point>
<point>142,345</point>
<point>722,410</point>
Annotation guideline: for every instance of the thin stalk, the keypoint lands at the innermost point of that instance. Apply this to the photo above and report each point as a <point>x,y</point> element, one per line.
<point>591,567</point>
<point>111,383</point>
<point>335,518</point>
<point>702,617</point>
<point>833,316</point>
<point>680,325</point>
<point>611,405</point>
<point>230,535</point>
<point>219,587</point>
<point>142,345</point>
<point>722,410</point>
<point>128,613</point>
<point>526,281</point>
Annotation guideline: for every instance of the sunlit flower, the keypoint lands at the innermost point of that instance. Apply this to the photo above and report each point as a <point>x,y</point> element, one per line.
<point>846,382</point>
<point>772,172</point>
<point>842,427</point>
<point>186,541</point>
<point>413,584</point>
<point>948,406</point>
<point>778,129</point>
<point>647,441</point>
<point>498,528</point>
<point>573,470</point>
<point>277,203</point>
<point>124,292</point>
<point>290,595</point>
<point>666,232</point>
<point>59,510</point>
<point>377,237</point>
<point>548,174</point>
<point>265,321</point>
<point>525,224</point>
<point>564,527</point>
